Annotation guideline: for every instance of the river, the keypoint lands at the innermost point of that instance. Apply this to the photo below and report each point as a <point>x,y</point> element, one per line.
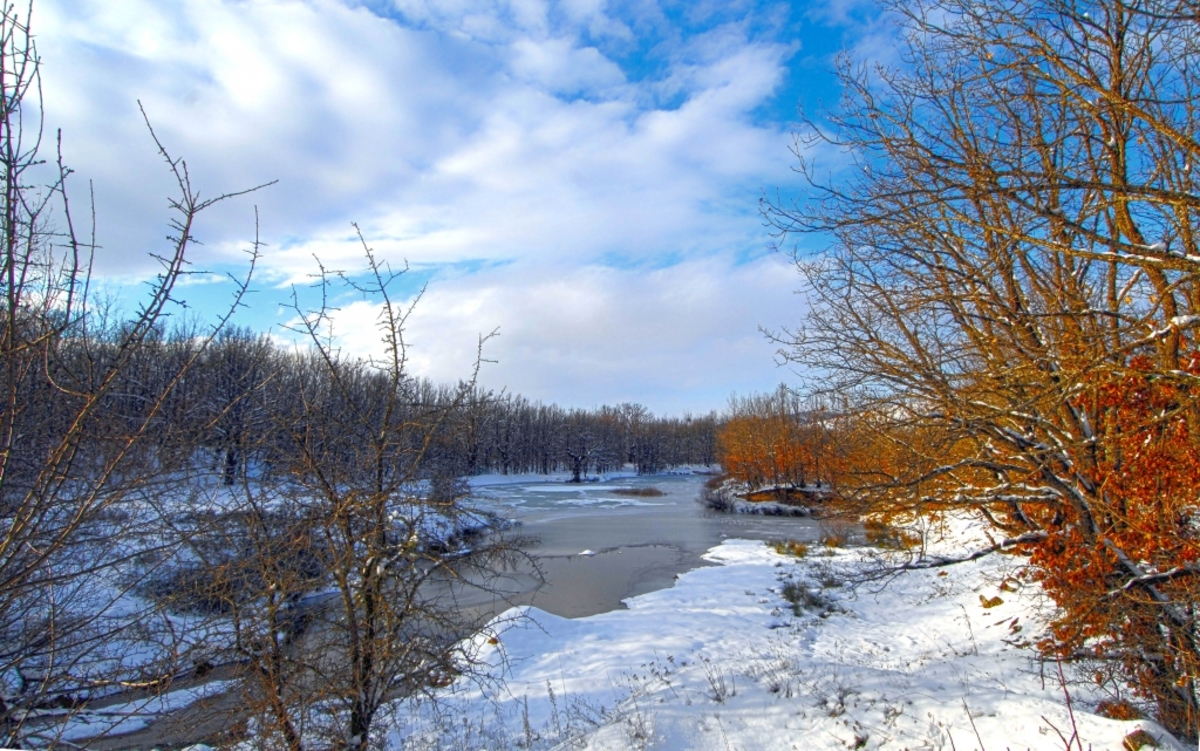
<point>596,548</point>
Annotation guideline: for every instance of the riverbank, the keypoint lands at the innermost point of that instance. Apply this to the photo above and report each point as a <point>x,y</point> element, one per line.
<point>751,648</point>
<point>597,544</point>
<point>727,495</point>
<point>763,650</point>
<point>600,543</point>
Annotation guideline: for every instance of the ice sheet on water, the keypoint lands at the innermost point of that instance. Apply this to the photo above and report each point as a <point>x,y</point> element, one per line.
<point>572,488</point>
<point>604,501</point>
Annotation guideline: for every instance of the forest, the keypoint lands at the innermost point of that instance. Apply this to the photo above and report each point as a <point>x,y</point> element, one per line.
<point>218,406</point>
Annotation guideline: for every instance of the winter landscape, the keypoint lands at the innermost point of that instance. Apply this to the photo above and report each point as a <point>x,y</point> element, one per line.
<point>599,374</point>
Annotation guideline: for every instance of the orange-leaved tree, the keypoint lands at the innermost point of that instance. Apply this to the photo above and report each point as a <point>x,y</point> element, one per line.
<point>1127,574</point>
<point>762,451</point>
<point>1011,296</point>
<point>778,440</point>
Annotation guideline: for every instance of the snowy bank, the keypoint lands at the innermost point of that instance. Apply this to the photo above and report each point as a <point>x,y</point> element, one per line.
<point>734,496</point>
<point>938,659</point>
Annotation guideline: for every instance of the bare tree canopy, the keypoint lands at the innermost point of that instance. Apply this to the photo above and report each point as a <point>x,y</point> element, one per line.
<point>1011,299</point>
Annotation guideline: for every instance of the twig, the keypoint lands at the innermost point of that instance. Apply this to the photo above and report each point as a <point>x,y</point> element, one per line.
<point>972,720</point>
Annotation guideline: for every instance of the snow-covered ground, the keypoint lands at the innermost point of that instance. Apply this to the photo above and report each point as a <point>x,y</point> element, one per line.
<point>721,661</point>
<point>140,637</point>
<point>938,658</point>
<point>730,496</point>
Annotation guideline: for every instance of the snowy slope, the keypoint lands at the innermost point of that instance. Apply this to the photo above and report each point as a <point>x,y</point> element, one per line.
<point>720,661</point>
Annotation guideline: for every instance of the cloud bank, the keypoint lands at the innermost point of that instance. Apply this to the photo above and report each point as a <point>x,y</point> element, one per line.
<point>582,175</point>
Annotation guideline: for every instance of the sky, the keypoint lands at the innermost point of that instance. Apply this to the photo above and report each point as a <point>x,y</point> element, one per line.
<point>582,177</point>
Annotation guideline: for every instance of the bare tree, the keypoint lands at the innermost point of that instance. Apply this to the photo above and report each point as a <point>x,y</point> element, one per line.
<point>358,567</point>
<point>1012,296</point>
<point>76,412</point>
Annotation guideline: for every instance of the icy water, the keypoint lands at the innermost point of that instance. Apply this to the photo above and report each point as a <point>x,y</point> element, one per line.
<point>596,548</point>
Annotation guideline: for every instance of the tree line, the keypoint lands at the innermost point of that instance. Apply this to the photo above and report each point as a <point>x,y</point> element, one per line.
<point>781,440</point>
<point>223,404</point>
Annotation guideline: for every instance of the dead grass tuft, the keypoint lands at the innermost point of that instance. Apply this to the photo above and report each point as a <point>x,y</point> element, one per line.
<point>648,492</point>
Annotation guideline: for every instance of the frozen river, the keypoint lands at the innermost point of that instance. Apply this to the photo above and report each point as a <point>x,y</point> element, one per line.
<point>596,547</point>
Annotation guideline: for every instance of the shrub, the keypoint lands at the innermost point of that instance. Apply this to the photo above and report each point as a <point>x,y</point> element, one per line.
<point>883,535</point>
<point>1118,709</point>
<point>802,598</point>
<point>833,539</point>
<point>794,548</point>
<point>715,481</point>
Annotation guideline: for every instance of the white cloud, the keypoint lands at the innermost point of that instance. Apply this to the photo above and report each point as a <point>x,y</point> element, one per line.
<point>676,338</point>
<point>454,130</point>
<point>559,66</point>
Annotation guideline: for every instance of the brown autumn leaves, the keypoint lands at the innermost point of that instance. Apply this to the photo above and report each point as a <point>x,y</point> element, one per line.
<point>1003,310</point>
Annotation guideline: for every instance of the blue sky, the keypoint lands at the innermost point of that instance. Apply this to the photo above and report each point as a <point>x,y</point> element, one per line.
<point>582,175</point>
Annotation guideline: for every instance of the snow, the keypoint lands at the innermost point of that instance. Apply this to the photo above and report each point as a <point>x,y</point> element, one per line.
<point>729,497</point>
<point>721,661</point>
<point>605,502</point>
<point>139,636</point>
<point>559,478</point>
<point>767,508</point>
<point>924,659</point>
<point>573,488</point>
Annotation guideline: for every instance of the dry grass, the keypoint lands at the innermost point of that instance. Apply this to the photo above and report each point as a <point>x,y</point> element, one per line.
<point>639,492</point>
<point>715,482</point>
<point>794,548</point>
<point>1118,709</point>
<point>883,535</point>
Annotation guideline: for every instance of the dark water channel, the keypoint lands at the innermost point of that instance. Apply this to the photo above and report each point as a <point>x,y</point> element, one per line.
<point>633,545</point>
